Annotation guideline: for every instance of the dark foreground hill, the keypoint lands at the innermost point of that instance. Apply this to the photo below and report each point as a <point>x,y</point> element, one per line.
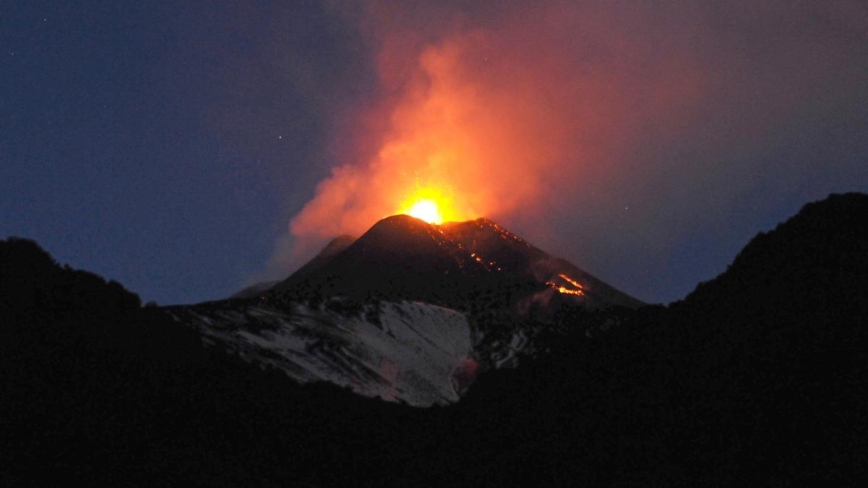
<point>757,378</point>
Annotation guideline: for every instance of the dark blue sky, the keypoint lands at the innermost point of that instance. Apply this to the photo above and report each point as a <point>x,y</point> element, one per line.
<point>168,146</point>
<point>164,147</point>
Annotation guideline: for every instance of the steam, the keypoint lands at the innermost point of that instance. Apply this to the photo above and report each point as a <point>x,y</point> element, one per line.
<point>564,115</point>
<point>499,117</point>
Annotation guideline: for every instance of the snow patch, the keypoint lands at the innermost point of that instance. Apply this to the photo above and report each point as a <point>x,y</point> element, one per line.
<point>411,353</point>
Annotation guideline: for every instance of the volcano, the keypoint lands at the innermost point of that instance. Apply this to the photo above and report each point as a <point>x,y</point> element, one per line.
<point>769,357</point>
<point>457,265</point>
<point>409,311</point>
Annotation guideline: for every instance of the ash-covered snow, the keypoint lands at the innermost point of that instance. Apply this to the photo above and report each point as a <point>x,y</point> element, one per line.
<point>406,351</point>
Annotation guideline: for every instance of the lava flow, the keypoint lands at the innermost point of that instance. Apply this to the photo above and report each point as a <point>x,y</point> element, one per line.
<point>567,291</point>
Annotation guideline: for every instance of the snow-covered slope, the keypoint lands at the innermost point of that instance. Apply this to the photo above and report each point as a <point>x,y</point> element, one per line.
<point>404,351</point>
<point>408,311</point>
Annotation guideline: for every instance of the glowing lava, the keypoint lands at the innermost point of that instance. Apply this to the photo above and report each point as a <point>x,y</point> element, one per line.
<point>433,205</point>
<point>579,289</point>
<point>426,210</point>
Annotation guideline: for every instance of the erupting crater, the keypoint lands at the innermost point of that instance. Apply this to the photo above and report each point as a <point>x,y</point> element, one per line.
<point>426,210</point>
<point>433,205</point>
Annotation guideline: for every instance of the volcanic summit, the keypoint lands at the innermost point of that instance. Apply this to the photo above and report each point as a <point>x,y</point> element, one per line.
<point>409,311</point>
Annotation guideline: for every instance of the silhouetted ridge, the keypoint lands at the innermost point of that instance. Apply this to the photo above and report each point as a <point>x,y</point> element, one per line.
<point>397,258</point>
<point>254,290</point>
<point>758,378</point>
<point>31,279</point>
<point>334,247</point>
<point>453,264</point>
<point>821,249</point>
<point>98,391</point>
<point>483,237</point>
<point>394,240</point>
<point>780,338</point>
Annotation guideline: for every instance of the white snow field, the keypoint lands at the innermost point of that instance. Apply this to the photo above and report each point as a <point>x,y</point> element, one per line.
<point>399,351</point>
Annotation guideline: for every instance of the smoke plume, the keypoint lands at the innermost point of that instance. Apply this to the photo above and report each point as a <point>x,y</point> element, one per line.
<point>578,124</point>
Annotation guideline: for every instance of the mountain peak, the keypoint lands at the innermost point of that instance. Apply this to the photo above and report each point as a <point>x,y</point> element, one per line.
<point>404,257</point>
<point>824,243</point>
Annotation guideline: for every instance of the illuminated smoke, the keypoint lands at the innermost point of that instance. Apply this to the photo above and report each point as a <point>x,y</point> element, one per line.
<point>494,118</point>
<point>574,123</point>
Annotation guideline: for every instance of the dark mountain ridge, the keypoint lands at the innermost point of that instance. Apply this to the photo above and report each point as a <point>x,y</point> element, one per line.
<point>757,378</point>
<point>350,315</point>
<point>456,265</point>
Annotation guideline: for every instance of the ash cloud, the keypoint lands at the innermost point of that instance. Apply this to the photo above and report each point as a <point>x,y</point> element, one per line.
<point>628,137</point>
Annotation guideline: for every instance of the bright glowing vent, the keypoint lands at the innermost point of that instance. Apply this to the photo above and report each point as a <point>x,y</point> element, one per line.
<point>426,210</point>
<point>431,204</point>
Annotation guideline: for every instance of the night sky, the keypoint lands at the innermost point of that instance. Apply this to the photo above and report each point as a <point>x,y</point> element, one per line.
<point>189,148</point>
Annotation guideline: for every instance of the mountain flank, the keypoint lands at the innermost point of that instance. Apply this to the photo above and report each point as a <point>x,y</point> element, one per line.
<point>757,378</point>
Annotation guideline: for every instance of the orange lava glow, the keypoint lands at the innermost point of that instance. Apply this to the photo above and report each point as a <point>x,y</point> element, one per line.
<point>432,206</point>
<point>567,291</point>
<point>425,210</point>
<point>470,121</point>
<point>571,281</point>
<point>578,291</point>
